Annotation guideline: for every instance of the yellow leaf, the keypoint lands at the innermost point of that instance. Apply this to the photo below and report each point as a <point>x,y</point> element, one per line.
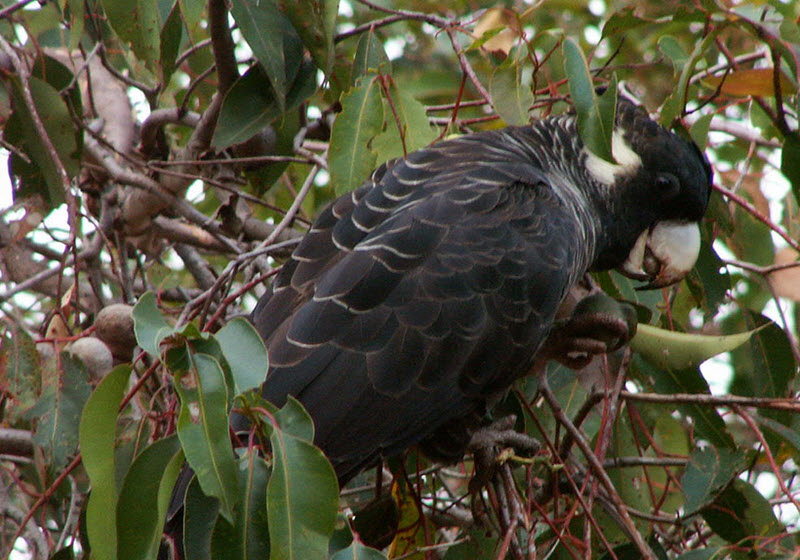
<point>506,22</point>
<point>411,531</point>
<point>758,82</point>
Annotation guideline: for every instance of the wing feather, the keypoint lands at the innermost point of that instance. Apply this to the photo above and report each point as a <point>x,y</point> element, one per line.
<point>416,296</point>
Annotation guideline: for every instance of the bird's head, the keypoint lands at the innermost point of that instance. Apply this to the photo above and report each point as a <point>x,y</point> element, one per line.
<point>659,187</point>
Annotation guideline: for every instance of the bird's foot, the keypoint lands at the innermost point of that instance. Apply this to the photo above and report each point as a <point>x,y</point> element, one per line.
<point>492,448</point>
<point>598,325</point>
<point>488,444</point>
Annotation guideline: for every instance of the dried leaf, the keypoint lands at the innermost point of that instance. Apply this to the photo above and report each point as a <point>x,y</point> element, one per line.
<point>505,22</point>
<point>786,281</point>
<point>758,82</point>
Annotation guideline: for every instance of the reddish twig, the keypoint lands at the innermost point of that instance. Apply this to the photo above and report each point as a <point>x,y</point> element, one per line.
<point>767,453</point>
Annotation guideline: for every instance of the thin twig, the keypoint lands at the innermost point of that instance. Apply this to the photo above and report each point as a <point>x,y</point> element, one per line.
<point>768,453</point>
<point>293,209</point>
<point>752,210</point>
<point>370,25</point>
<point>5,12</point>
<point>598,471</point>
<point>788,404</point>
<point>191,50</point>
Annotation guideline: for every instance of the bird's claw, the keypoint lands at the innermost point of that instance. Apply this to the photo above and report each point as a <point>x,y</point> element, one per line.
<point>598,325</point>
<point>487,445</point>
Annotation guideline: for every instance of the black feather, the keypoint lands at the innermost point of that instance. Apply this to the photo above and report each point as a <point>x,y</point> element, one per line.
<point>417,297</point>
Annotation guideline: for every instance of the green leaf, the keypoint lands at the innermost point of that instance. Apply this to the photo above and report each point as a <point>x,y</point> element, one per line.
<point>263,177</point>
<point>753,240</point>
<point>684,67</point>
<point>143,499</point>
<point>705,553</point>
<point>622,288</point>
<point>629,551</point>
<point>708,423</point>
<point>357,551</point>
<point>76,22</point>
<point>315,22</point>
<point>171,37</point>
<point>270,35</point>
<point>479,546</point>
<point>22,375</point>
<point>203,429</point>
<point>149,325</point>
<point>55,73</point>
<point>350,159</point>
<point>137,23</point>
<point>595,115</point>
<point>200,516</point>
<point>294,420</point>
<point>370,58</point>
<point>97,434</point>
<point>570,392</point>
<point>672,49</point>
<point>302,498</point>
<point>673,350</point>
<point>708,472</point>
<point>623,20</point>
<point>252,529</point>
<point>512,100</point>
<point>166,488</point>
<point>193,14</point>
<point>699,130</point>
<point>58,411</point>
<point>671,438</point>
<point>245,353</point>
<point>765,368</point>
<point>709,281</point>
<point>790,162</point>
<point>742,516</point>
<point>190,341</point>
<point>40,175</point>
<point>413,122</point>
<point>785,434</point>
<point>632,483</point>
<point>224,544</point>
<point>250,104</point>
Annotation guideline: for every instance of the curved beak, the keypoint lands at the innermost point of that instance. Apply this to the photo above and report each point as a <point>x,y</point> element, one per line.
<point>664,254</point>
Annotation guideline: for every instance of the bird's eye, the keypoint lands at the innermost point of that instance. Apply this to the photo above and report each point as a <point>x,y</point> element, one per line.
<point>667,185</point>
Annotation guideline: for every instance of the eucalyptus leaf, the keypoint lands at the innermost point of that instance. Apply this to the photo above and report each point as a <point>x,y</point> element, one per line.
<point>790,162</point>
<point>137,23</point>
<point>512,99</point>
<point>350,159</point>
<point>708,472</point>
<point>676,350</point>
<point>370,57</point>
<point>58,411</point>
<point>141,507</point>
<point>302,498</point>
<point>595,114</point>
<point>97,441</point>
<point>315,22</point>
<point>270,34</point>
<point>149,325</point>
<point>203,430</point>
<point>244,352</point>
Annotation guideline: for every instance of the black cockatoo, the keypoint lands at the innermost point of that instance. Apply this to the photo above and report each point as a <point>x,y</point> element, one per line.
<point>427,291</point>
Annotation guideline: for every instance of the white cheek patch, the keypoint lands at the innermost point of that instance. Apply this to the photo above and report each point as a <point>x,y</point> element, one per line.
<point>676,244</point>
<point>627,161</point>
